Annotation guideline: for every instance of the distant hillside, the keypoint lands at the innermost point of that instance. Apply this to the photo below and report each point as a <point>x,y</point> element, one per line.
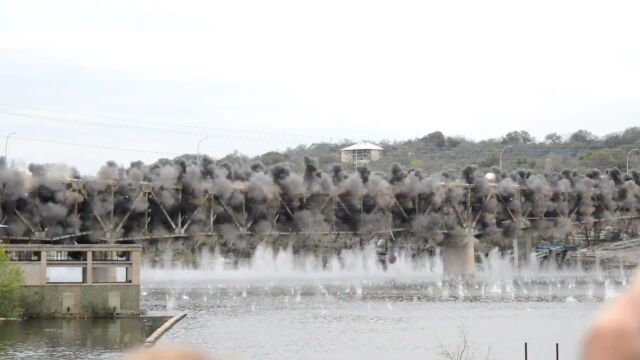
<point>435,151</point>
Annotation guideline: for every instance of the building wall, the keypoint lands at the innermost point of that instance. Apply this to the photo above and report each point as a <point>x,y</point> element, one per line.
<point>82,300</point>
<point>364,156</point>
<point>346,156</point>
<point>31,273</point>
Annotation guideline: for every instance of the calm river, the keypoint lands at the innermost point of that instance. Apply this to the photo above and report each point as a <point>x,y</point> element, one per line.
<point>281,307</point>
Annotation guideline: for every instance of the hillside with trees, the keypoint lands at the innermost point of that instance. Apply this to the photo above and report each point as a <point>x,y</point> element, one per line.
<point>436,151</point>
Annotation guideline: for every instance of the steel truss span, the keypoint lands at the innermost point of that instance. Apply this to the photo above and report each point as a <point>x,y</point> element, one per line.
<point>183,201</point>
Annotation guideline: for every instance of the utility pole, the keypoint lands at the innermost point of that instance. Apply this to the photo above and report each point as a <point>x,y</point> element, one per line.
<point>502,152</point>
<point>629,154</point>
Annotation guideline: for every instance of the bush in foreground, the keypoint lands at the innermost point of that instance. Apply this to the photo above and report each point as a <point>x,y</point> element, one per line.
<point>10,287</point>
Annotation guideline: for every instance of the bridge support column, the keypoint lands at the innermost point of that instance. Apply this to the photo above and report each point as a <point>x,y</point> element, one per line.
<point>458,256</point>
<point>522,250</point>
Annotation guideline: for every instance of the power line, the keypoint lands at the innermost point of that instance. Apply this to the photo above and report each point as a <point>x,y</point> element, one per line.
<point>92,146</point>
<point>182,129</point>
<point>172,132</point>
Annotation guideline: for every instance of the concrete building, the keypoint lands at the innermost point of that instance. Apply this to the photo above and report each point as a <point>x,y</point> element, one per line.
<point>361,153</point>
<point>79,280</point>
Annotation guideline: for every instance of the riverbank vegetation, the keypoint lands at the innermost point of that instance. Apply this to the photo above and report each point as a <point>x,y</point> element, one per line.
<point>10,287</point>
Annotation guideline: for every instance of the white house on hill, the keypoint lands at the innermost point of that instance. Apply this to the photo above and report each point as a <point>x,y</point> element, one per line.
<point>361,153</point>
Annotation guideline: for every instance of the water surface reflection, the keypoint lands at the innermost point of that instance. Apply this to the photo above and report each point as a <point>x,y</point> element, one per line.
<point>73,338</point>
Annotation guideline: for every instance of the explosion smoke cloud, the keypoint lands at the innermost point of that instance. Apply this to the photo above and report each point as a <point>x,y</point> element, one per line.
<point>179,197</point>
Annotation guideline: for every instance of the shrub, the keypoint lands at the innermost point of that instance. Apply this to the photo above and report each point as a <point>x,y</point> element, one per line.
<point>10,287</point>
<point>466,350</point>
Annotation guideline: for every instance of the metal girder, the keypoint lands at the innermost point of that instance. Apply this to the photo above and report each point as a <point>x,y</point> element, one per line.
<point>464,201</point>
<point>229,212</point>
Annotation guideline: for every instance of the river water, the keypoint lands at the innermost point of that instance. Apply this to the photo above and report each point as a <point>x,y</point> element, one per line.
<point>281,306</point>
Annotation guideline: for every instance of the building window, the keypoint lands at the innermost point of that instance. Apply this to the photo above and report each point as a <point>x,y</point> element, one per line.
<point>362,154</point>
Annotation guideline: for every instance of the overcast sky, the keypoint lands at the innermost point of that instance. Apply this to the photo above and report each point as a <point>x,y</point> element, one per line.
<point>263,75</point>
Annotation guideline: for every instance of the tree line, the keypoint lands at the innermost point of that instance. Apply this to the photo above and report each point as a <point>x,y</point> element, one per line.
<point>435,151</point>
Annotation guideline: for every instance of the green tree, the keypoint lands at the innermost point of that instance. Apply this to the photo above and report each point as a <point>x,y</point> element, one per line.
<point>272,158</point>
<point>553,139</point>
<point>453,141</point>
<point>10,286</point>
<point>583,136</point>
<point>631,135</point>
<point>435,138</point>
<point>518,137</point>
<point>613,139</point>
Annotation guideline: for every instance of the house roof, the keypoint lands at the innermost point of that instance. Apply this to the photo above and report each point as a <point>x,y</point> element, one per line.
<point>362,146</point>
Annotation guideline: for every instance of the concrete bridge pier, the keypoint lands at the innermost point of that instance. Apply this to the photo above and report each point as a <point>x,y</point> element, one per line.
<point>458,256</point>
<point>522,250</point>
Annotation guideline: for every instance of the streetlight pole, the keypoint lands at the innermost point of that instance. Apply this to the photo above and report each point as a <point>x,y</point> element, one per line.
<point>629,154</point>
<point>6,147</point>
<point>502,152</point>
<point>198,149</point>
